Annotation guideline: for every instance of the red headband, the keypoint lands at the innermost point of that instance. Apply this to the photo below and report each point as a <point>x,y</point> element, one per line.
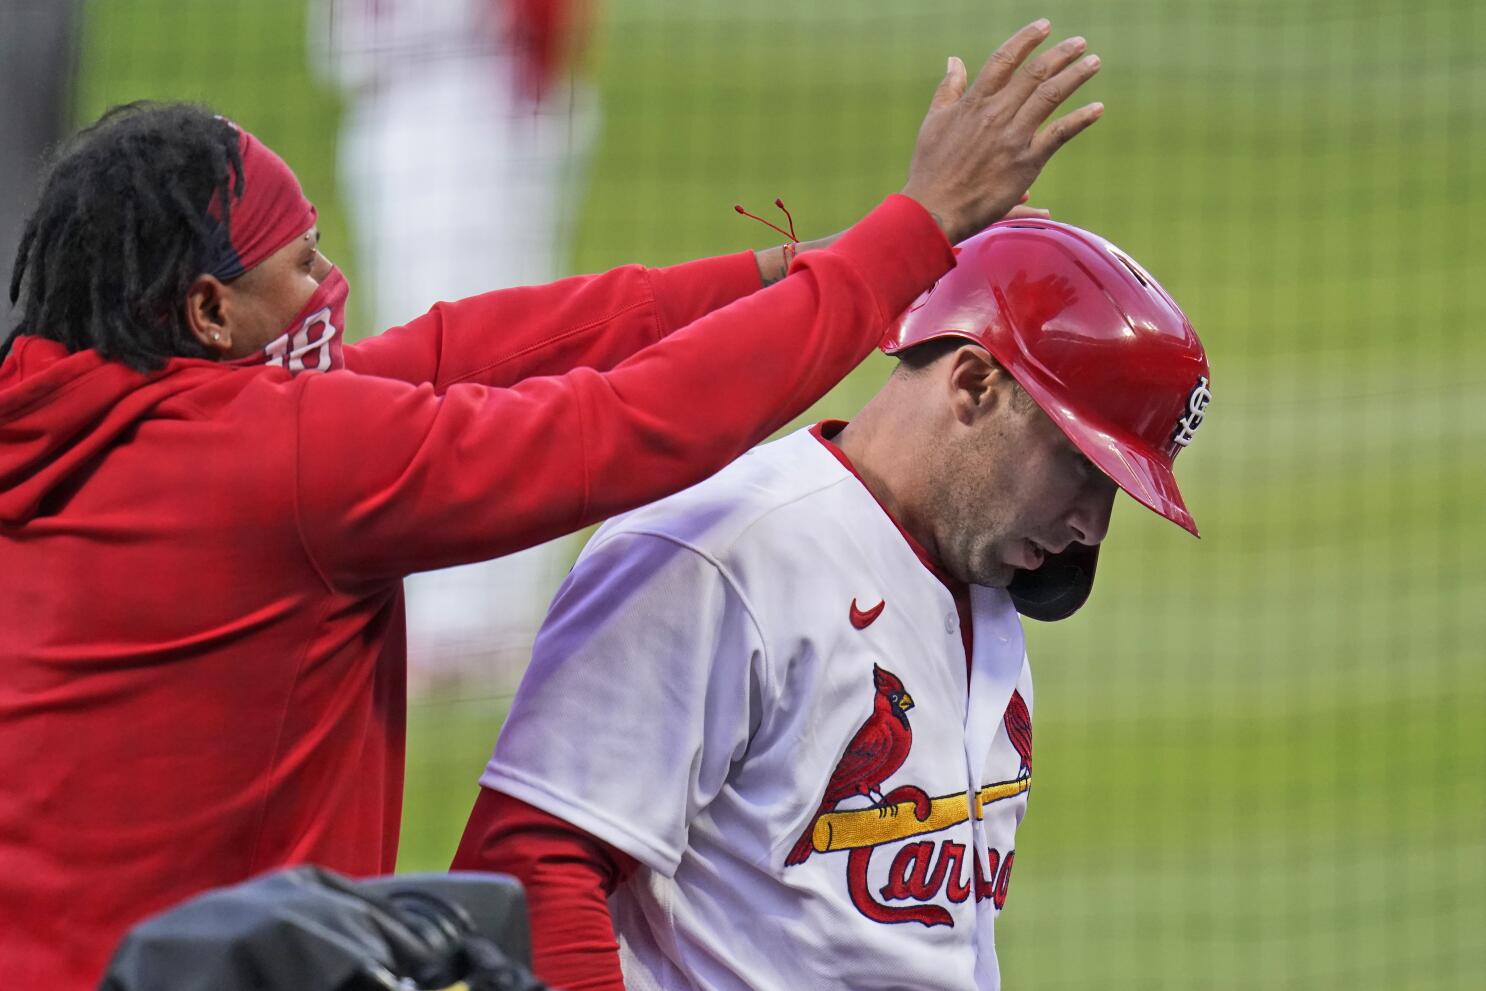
<point>270,212</point>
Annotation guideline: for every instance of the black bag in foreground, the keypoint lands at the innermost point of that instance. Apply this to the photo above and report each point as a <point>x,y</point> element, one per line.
<point>309,929</point>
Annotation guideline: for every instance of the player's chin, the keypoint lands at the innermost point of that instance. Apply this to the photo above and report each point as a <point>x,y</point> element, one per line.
<point>998,563</point>
<point>992,570</point>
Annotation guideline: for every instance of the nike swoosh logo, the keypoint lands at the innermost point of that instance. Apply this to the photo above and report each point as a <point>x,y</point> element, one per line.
<point>863,619</point>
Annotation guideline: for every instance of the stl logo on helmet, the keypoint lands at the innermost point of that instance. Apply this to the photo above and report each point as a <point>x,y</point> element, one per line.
<point>1197,402</point>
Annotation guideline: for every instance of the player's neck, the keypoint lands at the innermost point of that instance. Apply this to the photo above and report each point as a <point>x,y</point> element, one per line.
<point>884,447</point>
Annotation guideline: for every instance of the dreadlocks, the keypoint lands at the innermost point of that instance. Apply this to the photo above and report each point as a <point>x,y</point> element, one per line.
<point>122,229</point>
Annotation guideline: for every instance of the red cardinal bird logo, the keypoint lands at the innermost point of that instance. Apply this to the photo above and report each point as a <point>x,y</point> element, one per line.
<point>876,751</point>
<point>1018,722</point>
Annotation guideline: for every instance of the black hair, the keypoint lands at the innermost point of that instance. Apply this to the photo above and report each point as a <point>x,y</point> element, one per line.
<point>925,353</point>
<point>920,356</point>
<point>122,228</point>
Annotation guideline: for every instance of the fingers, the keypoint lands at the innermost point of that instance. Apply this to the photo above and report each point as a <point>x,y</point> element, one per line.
<point>1044,68</point>
<point>1004,61</point>
<point>1050,94</point>
<point>1028,213</point>
<point>951,87</point>
<point>1064,129</point>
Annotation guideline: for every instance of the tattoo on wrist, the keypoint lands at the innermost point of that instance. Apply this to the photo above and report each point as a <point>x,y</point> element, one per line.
<point>771,266</point>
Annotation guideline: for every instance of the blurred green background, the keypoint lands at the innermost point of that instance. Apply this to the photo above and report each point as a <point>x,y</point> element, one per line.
<point>1261,756</point>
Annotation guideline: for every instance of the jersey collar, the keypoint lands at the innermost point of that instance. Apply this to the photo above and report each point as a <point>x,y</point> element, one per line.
<point>824,431</point>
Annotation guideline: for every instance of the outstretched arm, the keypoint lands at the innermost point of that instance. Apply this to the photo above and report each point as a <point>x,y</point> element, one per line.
<point>977,153</point>
<point>394,481</point>
<point>395,478</point>
<point>587,321</point>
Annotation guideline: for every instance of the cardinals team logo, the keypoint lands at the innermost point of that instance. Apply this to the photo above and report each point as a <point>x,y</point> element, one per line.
<point>921,869</point>
<point>877,750</point>
<point>1194,413</point>
<point>1018,723</point>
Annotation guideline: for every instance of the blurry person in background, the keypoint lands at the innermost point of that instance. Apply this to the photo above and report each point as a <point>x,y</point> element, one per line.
<point>37,58</point>
<point>465,136</point>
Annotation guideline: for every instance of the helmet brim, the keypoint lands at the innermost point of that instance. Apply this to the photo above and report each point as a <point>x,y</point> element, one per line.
<point>1143,477</point>
<point>1140,475</point>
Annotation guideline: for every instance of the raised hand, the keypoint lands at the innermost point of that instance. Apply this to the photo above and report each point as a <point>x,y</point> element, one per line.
<point>979,150</point>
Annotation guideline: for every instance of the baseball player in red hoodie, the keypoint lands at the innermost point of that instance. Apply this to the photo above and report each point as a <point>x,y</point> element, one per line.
<point>208,502</point>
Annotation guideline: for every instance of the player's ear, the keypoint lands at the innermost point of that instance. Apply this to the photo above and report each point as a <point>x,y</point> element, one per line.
<point>206,314</point>
<point>976,383</point>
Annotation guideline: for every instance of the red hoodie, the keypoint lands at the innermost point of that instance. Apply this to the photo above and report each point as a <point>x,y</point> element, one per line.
<point>201,623</point>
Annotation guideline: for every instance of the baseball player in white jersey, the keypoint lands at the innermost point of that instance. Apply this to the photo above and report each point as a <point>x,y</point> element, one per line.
<point>787,714</point>
<point>464,136</point>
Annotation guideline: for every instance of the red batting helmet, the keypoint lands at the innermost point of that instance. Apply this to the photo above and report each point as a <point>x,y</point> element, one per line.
<point>1101,348</point>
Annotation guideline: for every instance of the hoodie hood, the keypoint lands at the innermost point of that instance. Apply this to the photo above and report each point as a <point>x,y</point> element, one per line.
<point>60,411</point>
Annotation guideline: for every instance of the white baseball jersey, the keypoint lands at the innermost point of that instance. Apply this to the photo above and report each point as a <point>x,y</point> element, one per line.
<point>456,185</point>
<point>758,690</point>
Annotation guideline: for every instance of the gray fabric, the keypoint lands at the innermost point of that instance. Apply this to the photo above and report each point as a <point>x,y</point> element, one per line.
<point>496,905</point>
<point>308,929</point>
<point>38,40</point>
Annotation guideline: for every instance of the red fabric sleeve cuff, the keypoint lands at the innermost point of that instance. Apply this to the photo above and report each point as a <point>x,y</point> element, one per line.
<point>691,290</point>
<point>919,253</point>
<point>567,874</point>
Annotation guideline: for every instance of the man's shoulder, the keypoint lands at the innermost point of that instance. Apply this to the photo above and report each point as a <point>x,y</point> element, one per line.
<point>775,489</point>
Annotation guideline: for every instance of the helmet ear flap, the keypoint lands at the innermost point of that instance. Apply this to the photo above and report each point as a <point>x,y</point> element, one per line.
<point>1057,589</point>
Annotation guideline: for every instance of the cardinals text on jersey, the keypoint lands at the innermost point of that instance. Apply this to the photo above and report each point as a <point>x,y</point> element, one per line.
<point>920,871</point>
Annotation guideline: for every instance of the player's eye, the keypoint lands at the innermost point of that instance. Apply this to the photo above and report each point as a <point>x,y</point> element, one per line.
<point>1085,467</point>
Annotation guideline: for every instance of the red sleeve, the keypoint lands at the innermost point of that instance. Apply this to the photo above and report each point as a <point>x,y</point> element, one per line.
<point>589,321</point>
<point>568,876</point>
<point>394,479</point>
